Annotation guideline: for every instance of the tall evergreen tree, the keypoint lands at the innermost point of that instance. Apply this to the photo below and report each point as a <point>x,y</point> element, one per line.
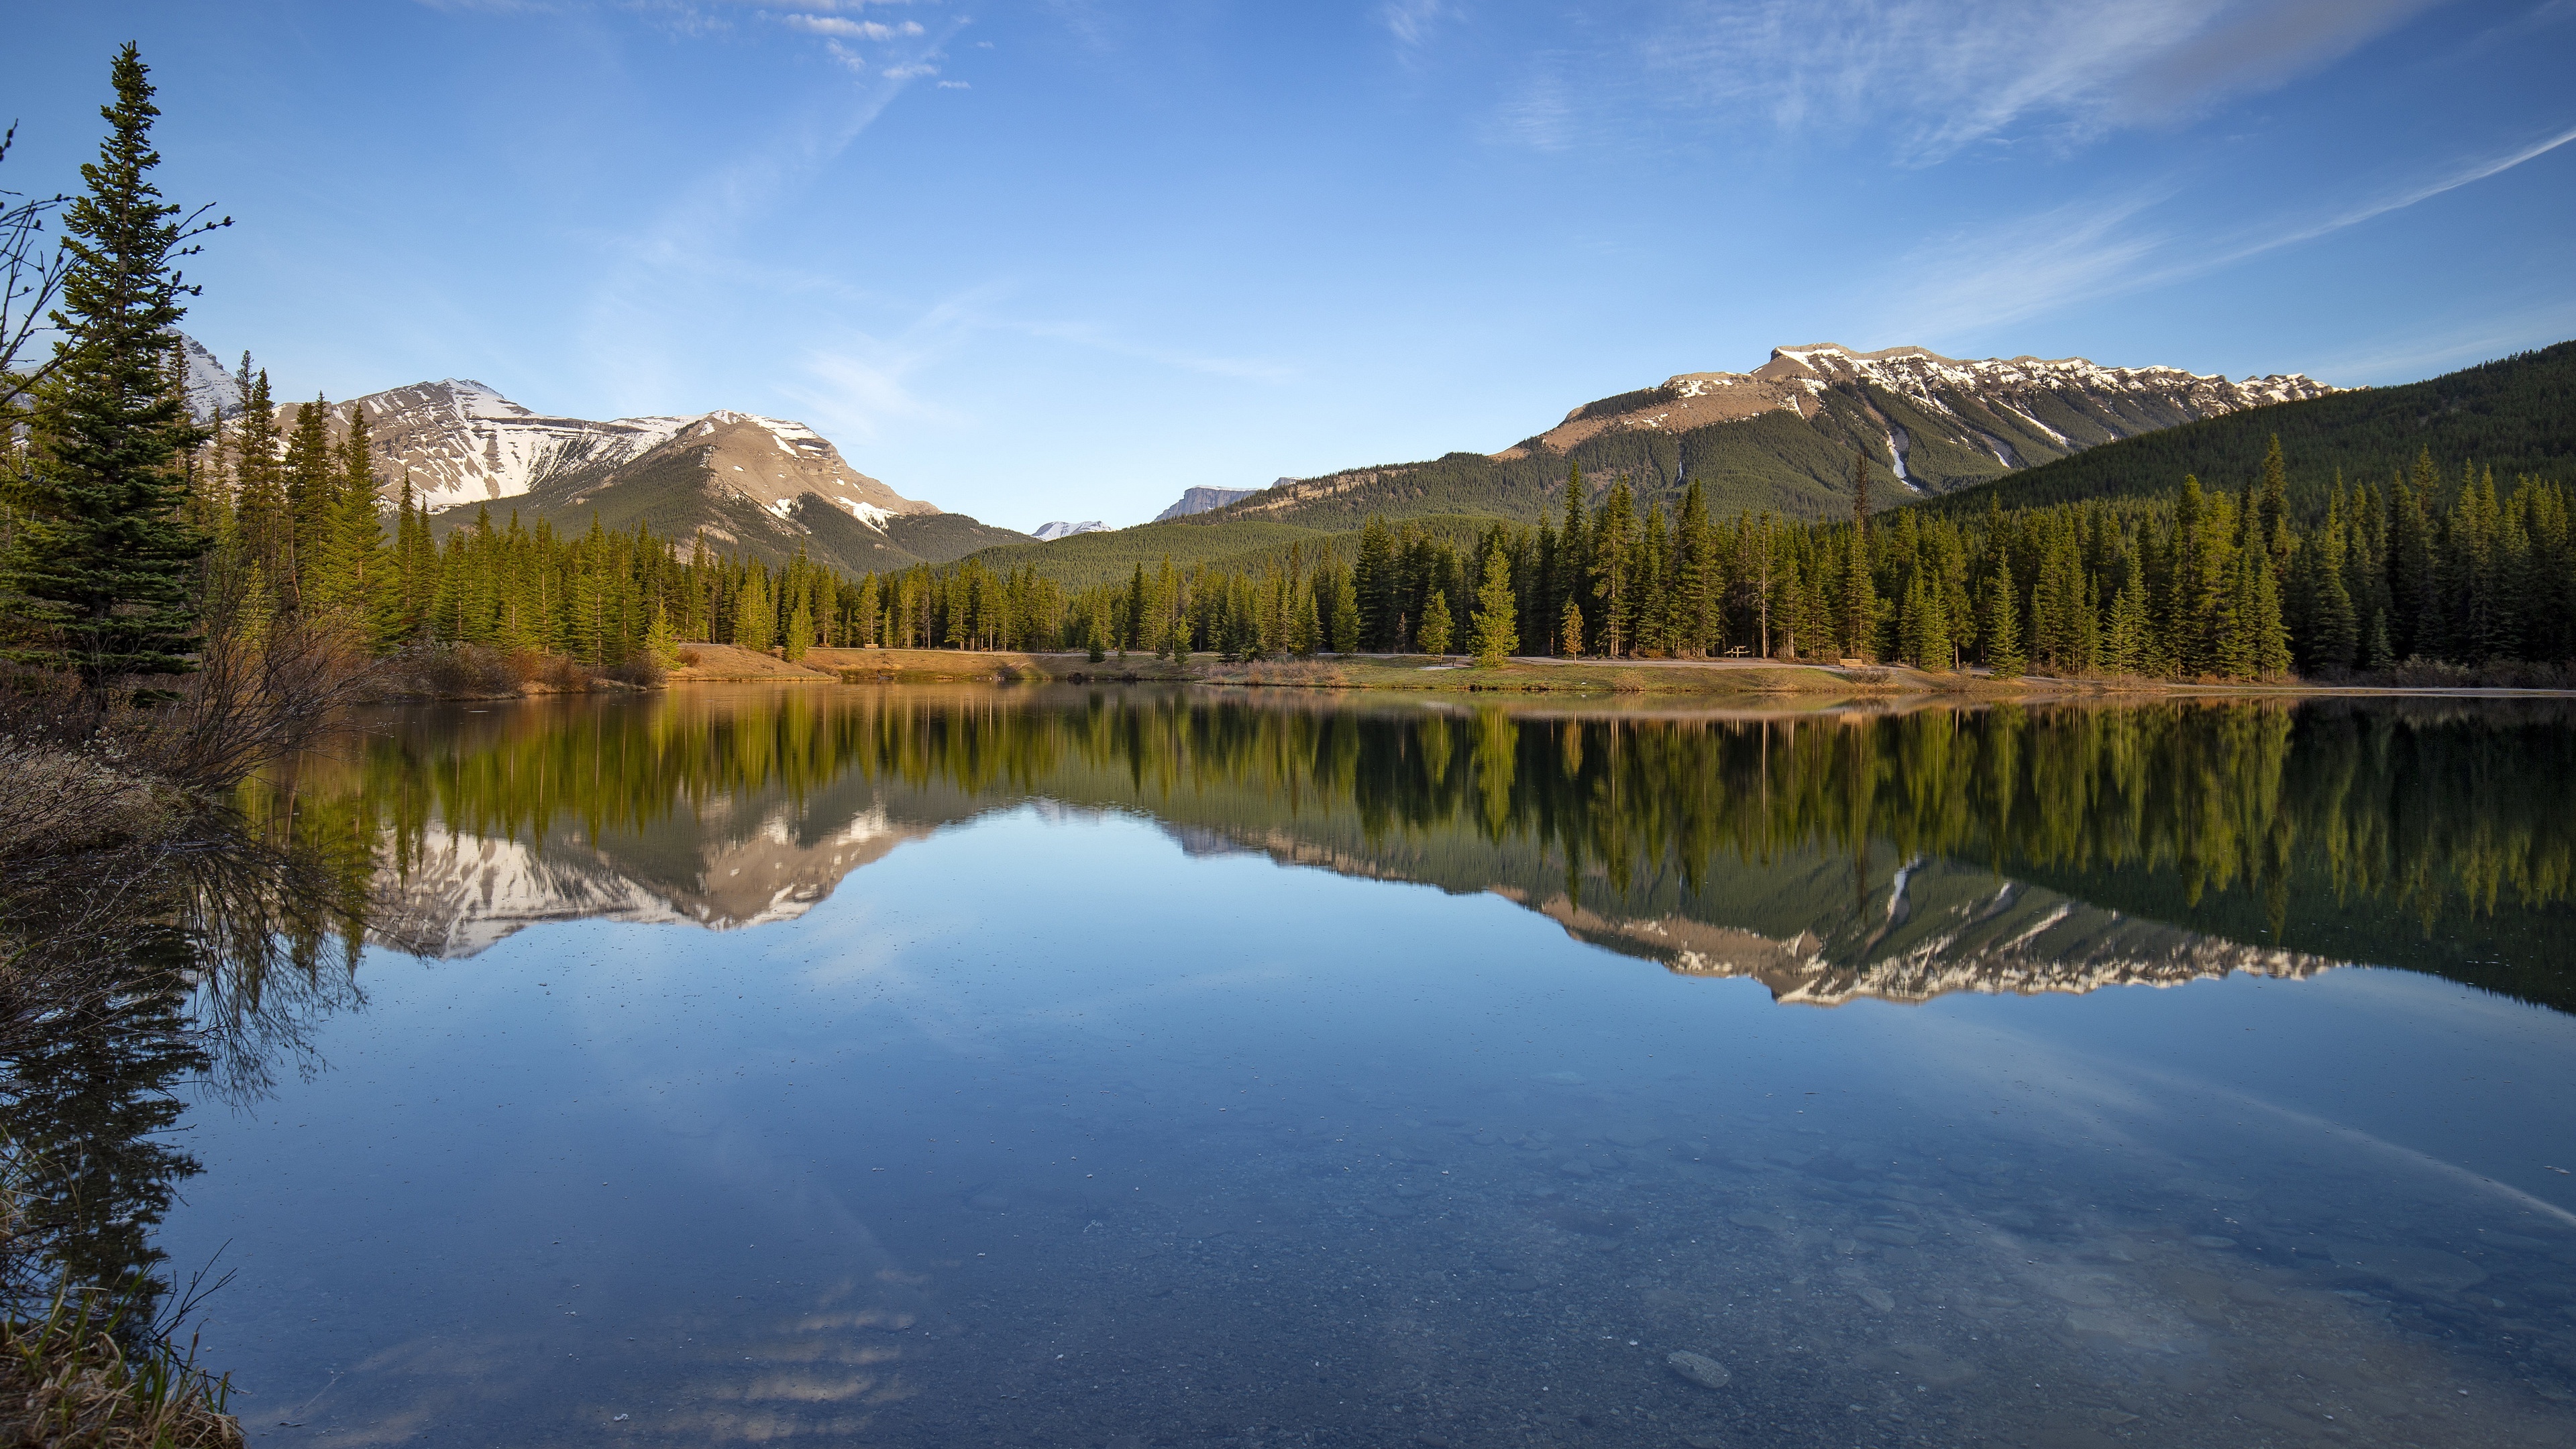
<point>1433,636</point>
<point>2002,629</point>
<point>1573,581</point>
<point>1614,544</point>
<point>1860,597</point>
<point>1497,627</point>
<point>102,567</point>
<point>312,505</point>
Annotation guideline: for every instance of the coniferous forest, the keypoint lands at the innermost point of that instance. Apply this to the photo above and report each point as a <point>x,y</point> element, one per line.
<point>2433,565</point>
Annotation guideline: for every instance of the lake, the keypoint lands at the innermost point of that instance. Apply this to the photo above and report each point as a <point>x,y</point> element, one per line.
<point>1131,1067</point>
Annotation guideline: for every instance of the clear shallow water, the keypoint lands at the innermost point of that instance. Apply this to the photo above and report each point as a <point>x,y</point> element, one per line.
<point>1077,1068</point>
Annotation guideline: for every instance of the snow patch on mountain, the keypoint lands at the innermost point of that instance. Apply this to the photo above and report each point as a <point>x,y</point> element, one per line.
<point>1050,532</point>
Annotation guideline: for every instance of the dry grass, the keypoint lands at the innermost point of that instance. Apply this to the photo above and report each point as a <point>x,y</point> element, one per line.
<point>66,1383</point>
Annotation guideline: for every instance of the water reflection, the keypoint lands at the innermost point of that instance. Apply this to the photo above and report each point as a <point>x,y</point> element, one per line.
<point>1073,1120</point>
<point>1830,856</point>
<point>133,969</point>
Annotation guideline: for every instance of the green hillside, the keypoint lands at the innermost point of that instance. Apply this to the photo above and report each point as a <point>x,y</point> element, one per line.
<point>2516,415</point>
<point>1246,546</point>
<point>1098,558</point>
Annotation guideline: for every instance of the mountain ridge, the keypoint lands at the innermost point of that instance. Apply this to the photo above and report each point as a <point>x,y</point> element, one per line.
<point>765,486</point>
<point>1784,436</point>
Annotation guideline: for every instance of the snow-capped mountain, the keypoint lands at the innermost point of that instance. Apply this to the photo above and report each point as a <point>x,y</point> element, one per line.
<point>209,384</point>
<point>768,486</point>
<point>2015,411</point>
<point>461,442</point>
<point>1784,436</point>
<point>1050,532</point>
<point>1207,500</point>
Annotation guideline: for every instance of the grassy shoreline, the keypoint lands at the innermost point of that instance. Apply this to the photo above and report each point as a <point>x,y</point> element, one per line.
<point>1454,675</point>
<point>1712,678</point>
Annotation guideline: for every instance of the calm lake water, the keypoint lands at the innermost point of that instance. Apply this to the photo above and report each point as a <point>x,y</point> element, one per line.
<point>1100,1067</point>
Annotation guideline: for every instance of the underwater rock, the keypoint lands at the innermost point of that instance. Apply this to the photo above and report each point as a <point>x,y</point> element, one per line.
<point>1700,1369</point>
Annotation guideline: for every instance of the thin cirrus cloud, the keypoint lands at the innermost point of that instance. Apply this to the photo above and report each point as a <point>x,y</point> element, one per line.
<point>844,28</point>
<point>2082,251</point>
<point>1940,76</point>
<point>1412,22</point>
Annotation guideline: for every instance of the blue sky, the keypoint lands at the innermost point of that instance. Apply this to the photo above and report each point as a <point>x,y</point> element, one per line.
<point>1036,259</point>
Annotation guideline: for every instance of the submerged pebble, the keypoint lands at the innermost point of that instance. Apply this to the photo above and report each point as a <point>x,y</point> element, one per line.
<point>1700,1369</point>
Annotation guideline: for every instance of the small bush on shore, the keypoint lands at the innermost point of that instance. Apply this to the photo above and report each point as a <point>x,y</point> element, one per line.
<point>471,671</point>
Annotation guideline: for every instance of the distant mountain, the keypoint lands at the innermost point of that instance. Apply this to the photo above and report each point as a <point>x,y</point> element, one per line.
<point>209,383</point>
<point>764,486</point>
<point>1783,436</point>
<point>1050,532</point>
<point>1202,500</point>
<point>2516,415</point>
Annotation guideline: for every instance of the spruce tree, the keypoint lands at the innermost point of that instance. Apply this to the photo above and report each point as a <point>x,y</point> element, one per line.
<point>1614,546</point>
<point>1497,627</point>
<point>1346,613</point>
<point>1373,578</point>
<point>755,626</point>
<point>101,570</point>
<point>312,505</point>
<point>800,630</point>
<point>1860,596</point>
<point>261,525</point>
<point>1697,619</point>
<point>2002,633</point>
<point>1433,636</point>
<point>1573,581</point>
<point>661,642</point>
<point>2126,651</point>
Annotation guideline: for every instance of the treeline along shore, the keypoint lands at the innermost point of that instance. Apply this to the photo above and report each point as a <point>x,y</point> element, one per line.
<point>2436,576</point>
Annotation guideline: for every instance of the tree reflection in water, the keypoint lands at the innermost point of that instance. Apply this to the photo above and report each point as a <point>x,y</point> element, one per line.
<point>1831,855</point>
<point>135,967</point>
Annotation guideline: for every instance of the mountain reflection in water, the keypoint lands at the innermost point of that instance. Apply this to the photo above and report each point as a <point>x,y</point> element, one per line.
<point>1830,856</point>
<point>1071,1120</point>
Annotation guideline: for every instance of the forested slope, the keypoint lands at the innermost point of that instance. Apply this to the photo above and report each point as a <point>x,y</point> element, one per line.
<point>2516,415</point>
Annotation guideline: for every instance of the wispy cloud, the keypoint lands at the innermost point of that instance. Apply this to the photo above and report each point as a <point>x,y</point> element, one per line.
<point>1942,75</point>
<point>2033,265</point>
<point>694,246</point>
<point>1413,21</point>
<point>848,29</point>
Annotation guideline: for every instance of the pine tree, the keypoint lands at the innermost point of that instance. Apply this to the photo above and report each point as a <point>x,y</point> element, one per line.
<point>1697,618</point>
<point>2126,649</point>
<point>103,562</point>
<point>661,642</point>
<point>1375,585</point>
<point>1346,613</point>
<point>1569,630</point>
<point>800,629</point>
<point>1433,636</point>
<point>1573,581</point>
<point>1614,546</point>
<point>755,624</point>
<point>1496,623</point>
<point>2002,631</point>
<point>364,568</point>
<point>261,523</point>
<point>1860,597</point>
<point>2271,507</point>
<point>312,507</point>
